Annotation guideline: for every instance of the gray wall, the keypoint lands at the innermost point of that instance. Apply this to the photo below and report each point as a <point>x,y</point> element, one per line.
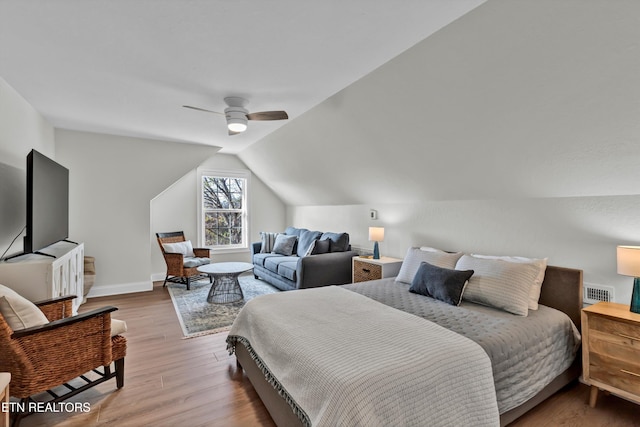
<point>112,180</point>
<point>22,128</point>
<point>176,209</point>
<point>514,130</point>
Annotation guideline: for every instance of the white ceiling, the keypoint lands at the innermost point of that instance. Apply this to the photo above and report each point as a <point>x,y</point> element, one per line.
<point>126,67</point>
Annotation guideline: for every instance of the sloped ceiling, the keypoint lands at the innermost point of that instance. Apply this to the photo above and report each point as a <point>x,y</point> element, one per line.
<point>518,98</point>
<point>126,67</point>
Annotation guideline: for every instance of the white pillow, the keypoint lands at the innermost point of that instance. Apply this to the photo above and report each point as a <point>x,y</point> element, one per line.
<point>540,263</point>
<point>118,327</point>
<point>415,256</point>
<point>19,312</point>
<point>185,248</point>
<point>498,283</point>
<point>430,249</point>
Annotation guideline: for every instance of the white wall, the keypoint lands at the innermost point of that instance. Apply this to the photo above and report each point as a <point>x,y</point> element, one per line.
<point>22,128</point>
<point>112,181</point>
<point>515,129</point>
<point>577,232</point>
<point>176,209</point>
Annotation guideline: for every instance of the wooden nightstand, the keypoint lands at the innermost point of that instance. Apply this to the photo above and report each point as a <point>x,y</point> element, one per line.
<point>364,269</point>
<point>611,350</point>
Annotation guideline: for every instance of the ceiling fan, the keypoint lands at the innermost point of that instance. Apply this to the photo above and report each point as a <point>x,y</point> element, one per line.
<point>237,115</point>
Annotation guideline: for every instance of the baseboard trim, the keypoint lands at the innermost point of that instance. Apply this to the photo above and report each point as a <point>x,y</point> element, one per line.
<point>122,288</point>
<point>158,277</point>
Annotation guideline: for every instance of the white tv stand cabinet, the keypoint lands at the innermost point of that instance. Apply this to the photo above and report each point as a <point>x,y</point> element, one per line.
<point>38,277</point>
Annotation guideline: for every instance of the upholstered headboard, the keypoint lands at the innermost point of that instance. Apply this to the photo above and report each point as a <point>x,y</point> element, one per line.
<point>562,290</point>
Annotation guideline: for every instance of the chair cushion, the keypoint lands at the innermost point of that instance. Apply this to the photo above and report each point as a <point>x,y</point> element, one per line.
<point>19,312</point>
<point>185,248</point>
<point>287,269</point>
<point>196,262</point>
<point>118,327</point>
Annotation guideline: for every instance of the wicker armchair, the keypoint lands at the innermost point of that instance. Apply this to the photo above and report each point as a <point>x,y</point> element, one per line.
<point>181,269</point>
<point>43,357</point>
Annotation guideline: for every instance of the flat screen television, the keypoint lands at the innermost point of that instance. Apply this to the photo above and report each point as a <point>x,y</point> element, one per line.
<point>47,202</point>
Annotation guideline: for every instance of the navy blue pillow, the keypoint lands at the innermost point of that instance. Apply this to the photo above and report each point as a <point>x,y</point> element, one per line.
<point>339,241</point>
<point>440,283</point>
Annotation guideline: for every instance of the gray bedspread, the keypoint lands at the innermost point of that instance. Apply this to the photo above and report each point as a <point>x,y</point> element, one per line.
<point>347,360</point>
<point>526,352</point>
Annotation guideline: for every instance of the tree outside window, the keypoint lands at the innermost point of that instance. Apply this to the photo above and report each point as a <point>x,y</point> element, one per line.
<point>224,211</point>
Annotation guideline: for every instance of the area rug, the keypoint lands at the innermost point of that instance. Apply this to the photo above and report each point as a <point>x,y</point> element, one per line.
<point>198,317</point>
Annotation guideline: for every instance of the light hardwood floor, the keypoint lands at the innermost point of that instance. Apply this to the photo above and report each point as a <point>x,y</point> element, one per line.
<point>170,381</point>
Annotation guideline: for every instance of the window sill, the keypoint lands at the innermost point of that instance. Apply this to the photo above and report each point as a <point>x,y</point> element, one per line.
<point>229,250</point>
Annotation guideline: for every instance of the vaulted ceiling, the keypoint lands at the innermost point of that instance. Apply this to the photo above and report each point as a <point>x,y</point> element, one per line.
<point>126,67</point>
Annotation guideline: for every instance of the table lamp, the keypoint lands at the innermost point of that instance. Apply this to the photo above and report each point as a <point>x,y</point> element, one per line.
<point>629,265</point>
<point>376,234</point>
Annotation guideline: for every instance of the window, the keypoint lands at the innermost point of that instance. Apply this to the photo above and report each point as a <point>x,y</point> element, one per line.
<point>223,210</point>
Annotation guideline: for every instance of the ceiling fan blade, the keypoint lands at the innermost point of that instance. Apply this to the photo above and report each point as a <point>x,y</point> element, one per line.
<point>202,109</point>
<point>231,133</point>
<point>268,115</point>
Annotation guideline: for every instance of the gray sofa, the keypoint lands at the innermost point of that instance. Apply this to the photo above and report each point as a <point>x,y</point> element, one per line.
<point>316,259</point>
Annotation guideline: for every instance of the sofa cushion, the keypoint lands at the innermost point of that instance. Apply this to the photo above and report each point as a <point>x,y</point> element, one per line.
<point>287,269</point>
<point>284,244</point>
<point>258,259</point>
<point>338,242</point>
<point>272,263</point>
<point>293,231</point>
<point>305,240</point>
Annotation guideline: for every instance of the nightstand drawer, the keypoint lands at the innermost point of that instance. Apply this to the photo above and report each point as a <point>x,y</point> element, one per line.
<point>364,271</point>
<point>615,331</point>
<point>617,373</point>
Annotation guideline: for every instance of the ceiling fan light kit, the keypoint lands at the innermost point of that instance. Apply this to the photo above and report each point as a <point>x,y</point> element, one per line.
<point>237,115</point>
<point>236,118</point>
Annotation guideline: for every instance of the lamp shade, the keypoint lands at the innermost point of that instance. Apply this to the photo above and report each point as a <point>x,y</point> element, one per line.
<point>629,260</point>
<point>376,234</point>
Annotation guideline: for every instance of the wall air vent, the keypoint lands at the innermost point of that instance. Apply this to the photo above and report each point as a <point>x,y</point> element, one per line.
<point>595,293</point>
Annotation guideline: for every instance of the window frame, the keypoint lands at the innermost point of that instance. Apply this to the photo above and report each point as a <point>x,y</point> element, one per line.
<point>224,173</point>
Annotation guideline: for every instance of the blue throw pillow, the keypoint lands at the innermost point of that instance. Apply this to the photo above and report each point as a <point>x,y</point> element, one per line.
<point>284,245</point>
<point>305,240</point>
<point>440,283</point>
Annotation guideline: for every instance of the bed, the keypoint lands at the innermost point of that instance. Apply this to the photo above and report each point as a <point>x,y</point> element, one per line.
<point>561,293</point>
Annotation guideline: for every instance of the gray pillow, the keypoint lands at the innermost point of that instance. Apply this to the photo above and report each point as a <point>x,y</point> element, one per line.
<point>440,283</point>
<point>339,242</point>
<point>305,240</point>
<point>284,245</point>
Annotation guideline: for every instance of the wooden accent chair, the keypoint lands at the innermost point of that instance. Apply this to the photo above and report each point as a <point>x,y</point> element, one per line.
<point>41,358</point>
<point>180,268</point>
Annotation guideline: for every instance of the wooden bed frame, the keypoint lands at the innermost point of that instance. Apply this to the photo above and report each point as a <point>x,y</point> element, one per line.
<point>561,289</point>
